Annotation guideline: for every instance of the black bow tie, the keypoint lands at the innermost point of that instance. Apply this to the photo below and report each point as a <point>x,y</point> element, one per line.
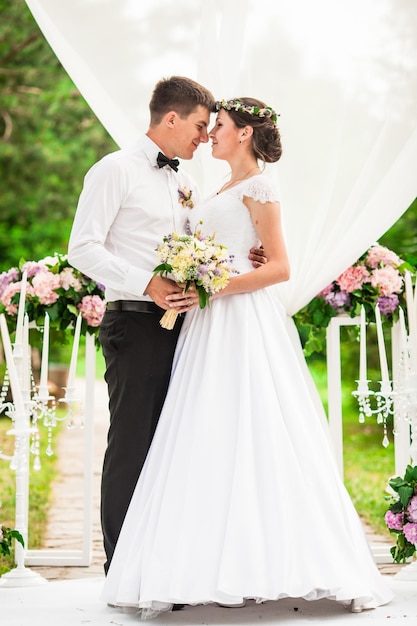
<point>162,160</point>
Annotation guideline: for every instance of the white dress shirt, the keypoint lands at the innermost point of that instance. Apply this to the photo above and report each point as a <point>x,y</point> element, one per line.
<point>126,207</point>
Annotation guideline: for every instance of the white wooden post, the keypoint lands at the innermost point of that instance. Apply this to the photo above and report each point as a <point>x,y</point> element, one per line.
<point>402,432</point>
<point>334,383</point>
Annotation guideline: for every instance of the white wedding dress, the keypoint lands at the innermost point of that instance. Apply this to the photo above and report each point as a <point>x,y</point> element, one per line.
<point>240,496</point>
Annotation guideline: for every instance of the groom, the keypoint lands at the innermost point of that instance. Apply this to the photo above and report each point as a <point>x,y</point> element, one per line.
<point>129,201</point>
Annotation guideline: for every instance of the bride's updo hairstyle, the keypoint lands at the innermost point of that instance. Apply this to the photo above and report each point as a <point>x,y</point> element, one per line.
<point>266,138</point>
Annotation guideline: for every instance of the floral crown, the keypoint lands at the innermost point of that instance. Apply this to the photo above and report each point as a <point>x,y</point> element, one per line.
<point>237,105</point>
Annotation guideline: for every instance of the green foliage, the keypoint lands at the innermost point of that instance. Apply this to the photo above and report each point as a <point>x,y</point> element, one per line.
<point>405,486</point>
<point>402,236</point>
<point>405,490</point>
<point>312,322</point>
<point>48,139</point>
<point>6,539</point>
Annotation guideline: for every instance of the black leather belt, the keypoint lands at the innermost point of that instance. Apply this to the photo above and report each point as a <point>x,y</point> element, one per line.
<point>137,306</point>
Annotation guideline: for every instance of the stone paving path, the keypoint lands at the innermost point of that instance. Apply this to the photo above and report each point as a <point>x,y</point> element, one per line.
<point>64,529</point>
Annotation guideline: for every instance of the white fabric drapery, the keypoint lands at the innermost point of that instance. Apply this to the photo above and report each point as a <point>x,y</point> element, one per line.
<point>343,76</point>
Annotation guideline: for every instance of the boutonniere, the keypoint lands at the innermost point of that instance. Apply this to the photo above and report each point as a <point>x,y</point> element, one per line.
<point>184,197</point>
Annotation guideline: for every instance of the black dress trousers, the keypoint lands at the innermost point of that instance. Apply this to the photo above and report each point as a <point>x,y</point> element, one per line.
<point>138,353</point>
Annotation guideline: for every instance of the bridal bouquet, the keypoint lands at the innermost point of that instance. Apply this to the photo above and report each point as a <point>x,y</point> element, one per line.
<point>401,517</point>
<point>193,259</point>
<point>6,537</point>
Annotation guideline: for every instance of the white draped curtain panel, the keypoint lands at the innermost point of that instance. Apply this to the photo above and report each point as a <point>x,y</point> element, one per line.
<point>341,73</point>
<point>343,76</point>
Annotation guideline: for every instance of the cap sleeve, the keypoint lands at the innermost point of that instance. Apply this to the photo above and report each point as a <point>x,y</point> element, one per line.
<point>261,189</point>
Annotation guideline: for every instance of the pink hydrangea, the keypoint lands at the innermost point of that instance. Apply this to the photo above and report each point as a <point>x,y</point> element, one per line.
<point>44,285</point>
<point>394,521</point>
<point>353,278</point>
<point>7,296</point>
<point>379,255</point>
<point>338,300</point>
<point>388,304</point>
<point>92,309</point>
<point>387,279</point>
<point>32,268</point>
<point>9,292</point>
<point>412,509</point>
<point>410,532</point>
<point>68,279</point>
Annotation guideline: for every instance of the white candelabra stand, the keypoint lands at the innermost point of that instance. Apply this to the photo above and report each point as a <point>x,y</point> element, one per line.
<point>22,410</point>
<point>401,430</point>
<point>20,575</point>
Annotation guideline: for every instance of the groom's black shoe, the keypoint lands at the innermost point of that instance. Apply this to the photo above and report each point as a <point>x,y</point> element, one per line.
<point>178,607</point>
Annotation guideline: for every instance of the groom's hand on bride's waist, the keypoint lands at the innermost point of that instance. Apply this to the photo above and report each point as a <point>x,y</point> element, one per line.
<point>257,256</point>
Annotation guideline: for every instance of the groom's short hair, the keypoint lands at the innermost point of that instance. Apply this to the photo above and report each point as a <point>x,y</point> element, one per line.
<point>179,94</point>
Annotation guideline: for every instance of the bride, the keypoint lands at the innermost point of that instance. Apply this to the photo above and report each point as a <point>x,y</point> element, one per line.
<point>240,497</point>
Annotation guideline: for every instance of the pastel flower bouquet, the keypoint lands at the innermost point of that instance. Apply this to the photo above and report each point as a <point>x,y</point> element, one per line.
<point>193,259</point>
<point>377,277</point>
<point>401,516</point>
<point>54,287</point>
<point>6,539</point>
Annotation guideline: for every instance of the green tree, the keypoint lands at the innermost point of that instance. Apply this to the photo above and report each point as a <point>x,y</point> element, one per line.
<point>49,138</point>
<point>402,236</point>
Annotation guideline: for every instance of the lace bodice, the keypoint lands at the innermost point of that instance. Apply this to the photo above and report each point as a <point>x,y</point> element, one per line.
<point>225,215</point>
<point>260,188</point>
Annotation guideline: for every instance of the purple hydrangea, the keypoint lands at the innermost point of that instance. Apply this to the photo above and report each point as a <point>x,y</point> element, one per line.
<point>32,268</point>
<point>11,276</point>
<point>394,521</point>
<point>388,304</point>
<point>338,300</point>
